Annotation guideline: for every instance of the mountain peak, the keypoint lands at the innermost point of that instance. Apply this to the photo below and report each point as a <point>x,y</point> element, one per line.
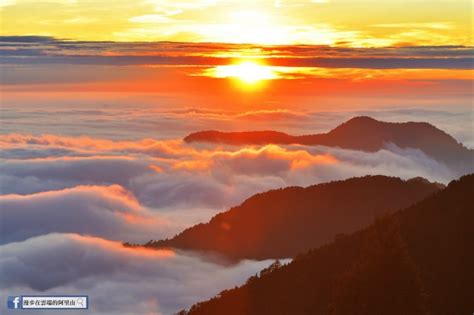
<point>362,119</point>
<point>308,216</point>
<point>361,133</point>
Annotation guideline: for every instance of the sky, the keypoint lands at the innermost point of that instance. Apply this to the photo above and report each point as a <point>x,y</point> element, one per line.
<point>243,55</point>
<point>317,22</point>
<point>97,96</point>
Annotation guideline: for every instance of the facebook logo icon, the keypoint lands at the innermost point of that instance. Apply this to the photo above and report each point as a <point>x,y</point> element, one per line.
<point>14,302</point>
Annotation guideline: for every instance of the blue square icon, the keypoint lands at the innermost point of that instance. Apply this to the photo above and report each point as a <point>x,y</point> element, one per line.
<point>14,302</point>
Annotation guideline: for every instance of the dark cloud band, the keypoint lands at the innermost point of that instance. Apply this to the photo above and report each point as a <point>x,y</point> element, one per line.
<point>48,50</point>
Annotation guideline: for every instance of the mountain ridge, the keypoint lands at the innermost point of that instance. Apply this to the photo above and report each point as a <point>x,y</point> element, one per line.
<point>415,261</point>
<point>359,133</point>
<point>284,222</point>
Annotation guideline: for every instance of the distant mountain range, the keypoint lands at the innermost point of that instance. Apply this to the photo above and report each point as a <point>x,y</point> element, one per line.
<point>285,222</point>
<point>417,261</point>
<point>360,133</point>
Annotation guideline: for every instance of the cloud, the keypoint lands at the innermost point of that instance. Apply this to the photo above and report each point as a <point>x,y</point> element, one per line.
<point>267,160</point>
<point>273,115</point>
<point>120,185</point>
<point>70,171</point>
<point>211,189</point>
<point>108,211</point>
<point>151,18</point>
<point>435,25</point>
<point>157,183</point>
<point>29,50</point>
<point>168,173</point>
<point>84,144</point>
<point>177,184</point>
<point>118,280</point>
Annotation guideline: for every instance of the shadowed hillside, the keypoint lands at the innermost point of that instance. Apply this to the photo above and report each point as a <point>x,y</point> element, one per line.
<point>360,133</point>
<point>416,261</point>
<point>284,222</point>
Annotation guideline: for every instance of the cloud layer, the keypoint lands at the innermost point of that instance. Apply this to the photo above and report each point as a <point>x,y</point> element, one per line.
<point>48,50</point>
<point>118,280</point>
<point>140,121</point>
<point>68,200</point>
<point>138,190</point>
<point>108,211</point>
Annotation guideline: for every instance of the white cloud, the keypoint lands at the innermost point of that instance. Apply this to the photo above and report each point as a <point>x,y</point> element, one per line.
<point>118,280</point>
<point>108,211</point>
<point>151,19</point>
<point>135,188</point>
<point>176,192</point>
<point>179,184</point>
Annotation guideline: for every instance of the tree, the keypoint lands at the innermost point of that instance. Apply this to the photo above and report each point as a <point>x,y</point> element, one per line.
<point>384,279</point>
<point>274,266</point>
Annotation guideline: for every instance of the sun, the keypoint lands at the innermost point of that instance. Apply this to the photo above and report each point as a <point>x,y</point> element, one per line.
<point>248,72</point>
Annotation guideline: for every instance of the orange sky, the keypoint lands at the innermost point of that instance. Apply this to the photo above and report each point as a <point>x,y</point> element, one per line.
<point>301,53</point>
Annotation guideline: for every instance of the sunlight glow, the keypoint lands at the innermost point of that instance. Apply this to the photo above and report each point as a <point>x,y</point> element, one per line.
<point>249,72</point>
<point>247,26</point>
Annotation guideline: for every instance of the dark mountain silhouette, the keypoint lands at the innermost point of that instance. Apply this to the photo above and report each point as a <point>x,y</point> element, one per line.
<point>416,261</point>
<point>360,133</point>
<point>284,222</point>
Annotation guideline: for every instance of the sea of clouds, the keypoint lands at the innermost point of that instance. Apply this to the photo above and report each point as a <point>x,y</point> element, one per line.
<point>75,183</point>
